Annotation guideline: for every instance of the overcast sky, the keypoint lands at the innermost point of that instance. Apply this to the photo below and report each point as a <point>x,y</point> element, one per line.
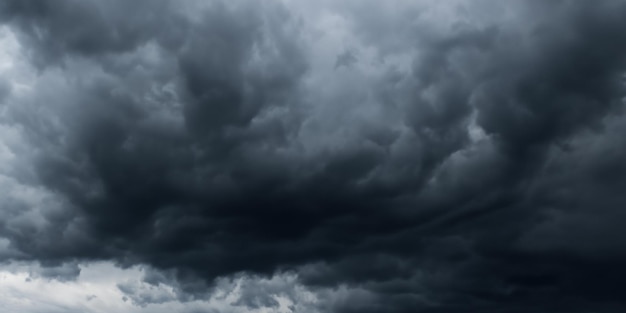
<point>313,156</point>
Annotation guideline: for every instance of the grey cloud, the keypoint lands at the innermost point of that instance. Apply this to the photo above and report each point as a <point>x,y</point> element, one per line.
<point>347,59</point>
<point>5,90</point>
<point>106,28</point>
<point>62,272</point>
<point>142,295</point>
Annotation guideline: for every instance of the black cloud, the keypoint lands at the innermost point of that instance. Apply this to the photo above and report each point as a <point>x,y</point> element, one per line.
<point>184,137</point>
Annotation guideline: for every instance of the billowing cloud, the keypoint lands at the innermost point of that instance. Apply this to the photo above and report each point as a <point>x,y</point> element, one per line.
<point>377,156</point>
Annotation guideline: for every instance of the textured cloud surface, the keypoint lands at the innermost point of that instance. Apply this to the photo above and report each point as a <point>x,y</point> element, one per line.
<point>313,156</point>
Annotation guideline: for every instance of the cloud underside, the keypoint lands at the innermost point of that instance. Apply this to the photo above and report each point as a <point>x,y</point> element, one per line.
<point>417,156</point>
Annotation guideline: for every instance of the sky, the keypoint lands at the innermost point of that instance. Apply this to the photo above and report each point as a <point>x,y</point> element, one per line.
<point>248,156</point>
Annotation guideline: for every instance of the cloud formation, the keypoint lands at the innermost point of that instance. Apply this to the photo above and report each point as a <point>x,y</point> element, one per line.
<point>469,159</point>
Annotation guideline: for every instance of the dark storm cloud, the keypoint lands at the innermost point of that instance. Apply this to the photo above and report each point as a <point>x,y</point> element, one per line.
<point>184,137</point>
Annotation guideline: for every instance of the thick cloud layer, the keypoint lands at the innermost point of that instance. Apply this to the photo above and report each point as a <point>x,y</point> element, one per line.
<point>438,157</point>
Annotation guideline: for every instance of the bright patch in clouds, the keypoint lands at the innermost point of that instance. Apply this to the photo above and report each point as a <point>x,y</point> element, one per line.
<point>103,287</point>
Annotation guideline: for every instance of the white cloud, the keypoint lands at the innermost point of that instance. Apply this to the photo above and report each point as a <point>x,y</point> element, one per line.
<point>103,287</point>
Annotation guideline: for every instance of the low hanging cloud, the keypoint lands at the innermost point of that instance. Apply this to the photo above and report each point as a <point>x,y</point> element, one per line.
<point>374,156</point>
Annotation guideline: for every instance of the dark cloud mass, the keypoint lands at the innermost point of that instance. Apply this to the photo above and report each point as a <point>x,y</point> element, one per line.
<point>469,161</point>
